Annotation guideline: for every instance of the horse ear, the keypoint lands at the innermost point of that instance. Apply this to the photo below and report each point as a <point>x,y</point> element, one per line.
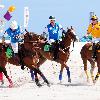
<point>67,28</point>
<point>26,30</point>
<point>72,27</point>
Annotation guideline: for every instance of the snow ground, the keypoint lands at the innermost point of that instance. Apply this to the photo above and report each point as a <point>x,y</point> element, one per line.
<point>25,88</point>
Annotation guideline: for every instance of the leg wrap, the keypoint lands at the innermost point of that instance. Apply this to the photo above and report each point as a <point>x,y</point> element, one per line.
<point>60,76</point>
<point>68,72</point>
<point>42,75</point>
<point>97,76</point>
<point>32,74</point>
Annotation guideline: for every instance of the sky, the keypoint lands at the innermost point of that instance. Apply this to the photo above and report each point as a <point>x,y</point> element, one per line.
<point>67,12</point>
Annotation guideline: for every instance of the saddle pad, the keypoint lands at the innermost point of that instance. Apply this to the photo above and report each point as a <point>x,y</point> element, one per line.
<point>47,47</point>
<point>90,48</point>
<point>9,53</point>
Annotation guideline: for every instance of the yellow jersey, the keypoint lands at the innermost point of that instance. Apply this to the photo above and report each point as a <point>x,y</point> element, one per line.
<point>94,30</point>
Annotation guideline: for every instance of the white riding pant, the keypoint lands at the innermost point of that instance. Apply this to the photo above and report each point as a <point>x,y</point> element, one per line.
<point>95,40</point>
<point>51,40</point>
<point>15,47</point>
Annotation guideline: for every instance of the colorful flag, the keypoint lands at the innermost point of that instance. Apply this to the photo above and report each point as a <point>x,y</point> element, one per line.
<point>26,16</point>
<point>7,16</point>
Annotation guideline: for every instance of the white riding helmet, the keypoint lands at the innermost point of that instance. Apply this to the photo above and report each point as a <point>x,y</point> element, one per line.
<point>13,25</point>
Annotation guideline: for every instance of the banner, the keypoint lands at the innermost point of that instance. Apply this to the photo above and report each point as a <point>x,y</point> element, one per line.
<point>26,16</point>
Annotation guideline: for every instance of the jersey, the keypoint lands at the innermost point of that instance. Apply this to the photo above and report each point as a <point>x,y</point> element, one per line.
<point>94,30</point>
<point>13,34</point>
<point>53,31</point>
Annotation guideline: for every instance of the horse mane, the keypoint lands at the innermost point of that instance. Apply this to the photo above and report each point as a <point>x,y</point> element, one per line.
<point>39,36</point>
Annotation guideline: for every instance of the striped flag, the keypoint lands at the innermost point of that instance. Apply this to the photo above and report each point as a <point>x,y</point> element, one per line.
<point>26,16</point>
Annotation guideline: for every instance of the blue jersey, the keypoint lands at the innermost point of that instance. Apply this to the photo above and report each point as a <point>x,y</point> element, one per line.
<point>54,31</point>
<point>13,34</point>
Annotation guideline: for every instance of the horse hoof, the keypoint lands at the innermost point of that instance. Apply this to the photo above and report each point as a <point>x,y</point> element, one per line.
<point>88,80</point>
<point>69,80</point>
<point>94,81</point>
<point>2,82</point>
<point>48,84</point>
<point>11,85</point>
<point>38,84</point>
<point>60,82</point>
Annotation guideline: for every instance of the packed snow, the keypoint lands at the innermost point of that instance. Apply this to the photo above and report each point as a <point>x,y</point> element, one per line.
<point>26,89</point>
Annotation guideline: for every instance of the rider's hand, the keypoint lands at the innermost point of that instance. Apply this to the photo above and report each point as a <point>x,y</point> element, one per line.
<point>87,34</point>
<point>63,32</point>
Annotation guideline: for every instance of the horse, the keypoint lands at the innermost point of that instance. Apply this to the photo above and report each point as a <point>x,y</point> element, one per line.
<point>86,55</point>
<point>3,62</point>
<point>28,56</point>
<point>64,50</point>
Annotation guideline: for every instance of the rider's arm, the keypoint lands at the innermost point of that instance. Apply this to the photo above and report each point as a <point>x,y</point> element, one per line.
<point>89,30</point>
<point>45,33</point>
<point>7,32</point>
<point>19,33</point>
<point>62,29</point>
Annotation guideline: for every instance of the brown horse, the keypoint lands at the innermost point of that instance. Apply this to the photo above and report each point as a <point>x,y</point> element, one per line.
<point>86,55</point>
<point>28,56</point>
<point>38,43</point>
<point>3,62</point>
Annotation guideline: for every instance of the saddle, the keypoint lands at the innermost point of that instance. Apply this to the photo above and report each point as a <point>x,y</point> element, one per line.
<point>97,45</point>
<point>53,48</point>
<point>47,47</point>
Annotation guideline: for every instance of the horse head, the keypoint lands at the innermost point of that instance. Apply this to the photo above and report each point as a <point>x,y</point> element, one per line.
<point>33,37</point>
<point>69,36</point>
<point>30,36</point>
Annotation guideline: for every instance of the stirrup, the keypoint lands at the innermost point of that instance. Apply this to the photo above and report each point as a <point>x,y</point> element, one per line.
<point>22,67</point>
<point>54,58</point>
<point>94,57</point>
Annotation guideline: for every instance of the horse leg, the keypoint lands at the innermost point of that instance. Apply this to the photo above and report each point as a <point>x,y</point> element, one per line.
<point>98,73</point>
<point>1,78</point>
<point>68,74</point>
<point>60,74</point>
<point>92,68</point>
<point>32,74</point>
<point>3,69</point>
<point>36,78</point>
<point>85,68</point>
<point>97,76</point>
<point>43,77</point>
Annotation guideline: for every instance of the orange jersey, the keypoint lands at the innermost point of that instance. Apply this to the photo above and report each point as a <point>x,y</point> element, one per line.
<point>94,30</point>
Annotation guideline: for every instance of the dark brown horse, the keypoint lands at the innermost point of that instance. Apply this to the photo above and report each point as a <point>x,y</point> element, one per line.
<point>3,62</point>
<point>28,56</point>
<point>38,43</point>
<point>86,55</point>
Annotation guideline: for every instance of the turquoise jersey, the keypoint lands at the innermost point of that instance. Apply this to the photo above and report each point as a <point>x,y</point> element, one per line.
<point>13,34</point>
<point>54,31</point>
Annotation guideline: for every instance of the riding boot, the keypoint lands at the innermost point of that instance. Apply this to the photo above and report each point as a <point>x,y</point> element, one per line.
<point>22,65</point>
<point>37,82</point>
<point>94,51</point>
<point>14,55</point>
<point>56,50</point>
<point>21,60</point>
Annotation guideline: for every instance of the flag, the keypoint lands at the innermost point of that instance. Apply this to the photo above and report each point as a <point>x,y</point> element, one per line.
<point>26,16</point>
<point>7,16</point>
